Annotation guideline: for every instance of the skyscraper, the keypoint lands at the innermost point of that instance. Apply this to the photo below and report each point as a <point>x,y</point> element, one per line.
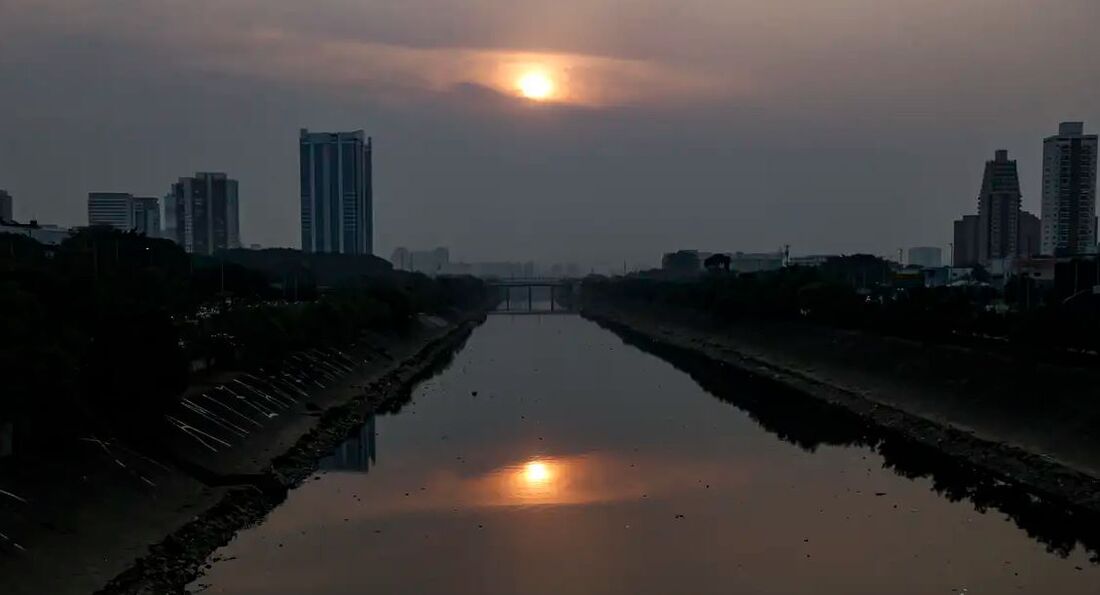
<point>114,209</point>
<point>999,209</point>
<point>1069,191</point>
<point>336,192</point>
<point>5,206</point>
<point>203,212</point>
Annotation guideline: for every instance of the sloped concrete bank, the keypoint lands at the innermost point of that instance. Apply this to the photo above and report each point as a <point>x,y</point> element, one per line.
<point>176,561</point>
<point>1056,503</point>
<point>88,520</point>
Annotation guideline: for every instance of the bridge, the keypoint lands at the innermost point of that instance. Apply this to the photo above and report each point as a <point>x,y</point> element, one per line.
<point>557,287</point>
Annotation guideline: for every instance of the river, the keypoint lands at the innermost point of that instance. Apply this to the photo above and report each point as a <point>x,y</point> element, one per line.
<point>550,457</point>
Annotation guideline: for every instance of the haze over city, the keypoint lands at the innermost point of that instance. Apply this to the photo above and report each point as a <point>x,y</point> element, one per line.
<point>836,127</point>
<point>549,297</point>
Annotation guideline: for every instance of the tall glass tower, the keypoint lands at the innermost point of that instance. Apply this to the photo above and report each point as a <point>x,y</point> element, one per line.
<point>336,192</point>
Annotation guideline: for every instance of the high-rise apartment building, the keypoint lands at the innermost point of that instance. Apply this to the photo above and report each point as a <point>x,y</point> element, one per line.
<point>201,213</point>
<point>5,206</point>
<point>999,209</point>
<point>336,192</point>
<point>1069,191</point>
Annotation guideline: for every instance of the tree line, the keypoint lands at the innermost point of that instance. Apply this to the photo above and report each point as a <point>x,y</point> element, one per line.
<point>856,293</point>
<point>109,328</point>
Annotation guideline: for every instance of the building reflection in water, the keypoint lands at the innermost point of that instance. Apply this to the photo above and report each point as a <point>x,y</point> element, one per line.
<point>357,453</point>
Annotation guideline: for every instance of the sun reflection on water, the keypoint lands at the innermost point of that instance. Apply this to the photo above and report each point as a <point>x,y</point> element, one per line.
<point>537,481</point>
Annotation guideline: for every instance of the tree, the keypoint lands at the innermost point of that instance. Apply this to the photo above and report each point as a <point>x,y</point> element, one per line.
<point>718,262</point>
<point>681,262</point>
<point>979,274</point>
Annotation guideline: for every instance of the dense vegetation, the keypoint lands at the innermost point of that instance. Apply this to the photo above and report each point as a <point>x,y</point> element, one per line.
<point>1025,316</point>
<point>109,327</point>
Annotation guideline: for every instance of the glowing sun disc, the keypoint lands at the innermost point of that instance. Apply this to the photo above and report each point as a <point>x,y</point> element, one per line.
<point>536,472</point>
<point>535,85</point>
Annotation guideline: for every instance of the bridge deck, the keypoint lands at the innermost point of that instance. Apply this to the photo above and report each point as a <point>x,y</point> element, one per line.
<point>531,312</point>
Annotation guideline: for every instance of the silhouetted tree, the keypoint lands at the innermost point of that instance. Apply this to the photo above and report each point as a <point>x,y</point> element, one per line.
<point>717,262</point>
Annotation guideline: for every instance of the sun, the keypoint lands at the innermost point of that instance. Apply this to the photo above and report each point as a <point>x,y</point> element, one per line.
<point>536,472</point>
<point>536,85</point>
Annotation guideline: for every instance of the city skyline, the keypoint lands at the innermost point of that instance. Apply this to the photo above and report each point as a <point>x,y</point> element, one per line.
<point>986,196</point>
<point>658,138</point>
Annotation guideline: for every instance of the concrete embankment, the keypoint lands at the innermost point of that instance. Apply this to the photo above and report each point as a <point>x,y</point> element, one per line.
<point>114,520</point>
<point>1029,424</point>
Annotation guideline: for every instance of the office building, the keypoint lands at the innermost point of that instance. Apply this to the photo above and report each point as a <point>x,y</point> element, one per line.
<point>146,215</point>
<point>112,209</point>
<point>999,209</point>
<point>928,257</point>
<point>964,250</point>
<point>5,206</point>
<point>201,213</point>
<point>336,192</point>
<point>1069,191</point>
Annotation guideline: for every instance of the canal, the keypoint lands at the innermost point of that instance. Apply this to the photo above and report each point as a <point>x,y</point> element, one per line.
<point>550,457</point>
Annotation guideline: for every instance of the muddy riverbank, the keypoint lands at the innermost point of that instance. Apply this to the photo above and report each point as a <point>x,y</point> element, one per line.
<point>1049,495</point>
<point>89,519</point>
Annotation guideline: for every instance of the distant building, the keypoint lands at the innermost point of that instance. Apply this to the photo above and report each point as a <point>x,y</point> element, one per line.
<point>146,217</point>
<point>5,206</point>
<point>497,270</point>
<point>1039,269</point>
<point>999,209</point>
<point>336,192</point>
<point>908,278</point>
<point>170,225</point>
<point>125,212</point>
<point>202,215</point>
<point>964,252</point>
<point>45,234</point>
<point>1031,236</point>
<point>936,276</point>
<point>113,209</point>
<point>928,257</point>
<point>430,262</point>
<point>743,262</point>
<point>810,260</point>
<point>1069,191</point>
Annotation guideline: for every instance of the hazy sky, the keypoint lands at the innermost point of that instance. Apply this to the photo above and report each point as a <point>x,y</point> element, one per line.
<point>831,125</point>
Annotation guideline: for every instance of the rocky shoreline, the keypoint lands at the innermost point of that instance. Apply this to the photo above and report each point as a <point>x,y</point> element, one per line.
<point>1031,487</point>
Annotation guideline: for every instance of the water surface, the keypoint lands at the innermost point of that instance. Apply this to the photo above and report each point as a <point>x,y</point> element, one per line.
<point>552,458</point>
